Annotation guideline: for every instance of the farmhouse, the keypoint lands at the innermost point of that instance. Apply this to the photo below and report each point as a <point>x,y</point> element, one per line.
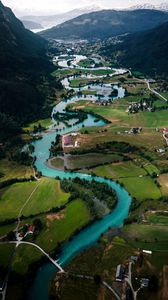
<point>70,140</point>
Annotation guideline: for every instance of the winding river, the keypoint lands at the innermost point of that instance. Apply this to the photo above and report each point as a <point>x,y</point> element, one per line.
<point>88,236</point>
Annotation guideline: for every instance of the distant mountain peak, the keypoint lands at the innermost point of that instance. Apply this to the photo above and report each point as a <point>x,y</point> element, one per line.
<point>163,6</point>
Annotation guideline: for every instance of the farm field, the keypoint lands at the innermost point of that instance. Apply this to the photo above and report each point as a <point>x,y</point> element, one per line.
<point>47,195</point>
<point>120,170</point>
<point>56,229</point>
<point>163,180</point>
<point>149,237</point>
<point>155,217</point>
<point>12,170</point>
<point>88,160</point>
<point>139,187</point>
<point>44,123</point>
<point>117,114</point>
<point>150,168</point>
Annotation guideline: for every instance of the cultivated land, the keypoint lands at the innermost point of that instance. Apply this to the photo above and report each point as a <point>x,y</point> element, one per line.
<point>47,196</point>
<point>111,152</point>
<point>45,123</point>
<point>12,170</point>
<point>56,228</point>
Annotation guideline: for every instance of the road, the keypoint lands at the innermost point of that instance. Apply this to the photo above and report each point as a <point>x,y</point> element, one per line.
<point>17,243</point>
<point>22,208</point>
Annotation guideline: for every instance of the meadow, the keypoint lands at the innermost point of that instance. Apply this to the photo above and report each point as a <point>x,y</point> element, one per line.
<point>47,195</point>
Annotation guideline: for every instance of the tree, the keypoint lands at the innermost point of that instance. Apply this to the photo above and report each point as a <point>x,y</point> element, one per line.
<point>97,279</point>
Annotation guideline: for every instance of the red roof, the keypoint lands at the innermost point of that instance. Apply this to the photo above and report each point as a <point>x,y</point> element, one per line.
<point>31,228</point>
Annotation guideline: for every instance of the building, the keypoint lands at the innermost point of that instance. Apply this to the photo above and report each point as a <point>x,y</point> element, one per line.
<point>144,282</point>
<point>134,258</point>
<point>120,272</point>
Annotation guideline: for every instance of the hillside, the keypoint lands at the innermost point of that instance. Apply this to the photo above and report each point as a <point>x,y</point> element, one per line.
<point>55,19</point>
<point>23,62</point>
<point>31,25</point>
<point>146,52</point>
<point>106,23</point>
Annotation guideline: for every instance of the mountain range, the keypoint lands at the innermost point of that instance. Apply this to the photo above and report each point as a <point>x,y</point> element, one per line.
<point>106,23</point>
<point>161,7</point>
<point>53,20</point>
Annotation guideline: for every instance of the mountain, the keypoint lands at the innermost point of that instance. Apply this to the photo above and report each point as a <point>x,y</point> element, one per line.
<point>23,64</point>
<point>106,23</point>
<point>31,25</point>
<point>146,52</point>
<point>162,6</point>
<point>53,20</point>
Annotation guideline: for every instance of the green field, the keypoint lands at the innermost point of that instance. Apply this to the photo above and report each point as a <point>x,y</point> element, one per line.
<point>117,114</point>
<point>120,170</point>
<point>89,92</point>
<point>46,196</point>
<point>89,160</point>
<point>86,63</point>
<point>139,187</point>
<point>149,237</point>
<point>6,228</point>
<point>157,218</point>
<point>6,251</point>
<point>44,123</point>
<point>11,169</point>
<point>150,168</point>
<point>57,163</point>
<point>56,228</point>
<point>72,218</point>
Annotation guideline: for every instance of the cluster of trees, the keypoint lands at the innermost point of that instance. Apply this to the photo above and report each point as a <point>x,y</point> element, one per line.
<point>93,193</point>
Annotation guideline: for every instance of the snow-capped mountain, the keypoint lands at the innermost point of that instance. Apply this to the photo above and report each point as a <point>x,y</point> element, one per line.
<point>162,6</point>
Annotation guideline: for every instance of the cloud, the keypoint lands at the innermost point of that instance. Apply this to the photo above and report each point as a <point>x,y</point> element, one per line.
<point>52,6</point>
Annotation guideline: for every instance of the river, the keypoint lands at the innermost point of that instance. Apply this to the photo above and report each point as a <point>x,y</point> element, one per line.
<point>88,236</point>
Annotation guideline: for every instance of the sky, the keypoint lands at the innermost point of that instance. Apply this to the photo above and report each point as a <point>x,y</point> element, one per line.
<point>38,7</point>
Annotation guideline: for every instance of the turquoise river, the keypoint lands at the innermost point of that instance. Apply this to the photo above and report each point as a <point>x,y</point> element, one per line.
<point>88,236</point>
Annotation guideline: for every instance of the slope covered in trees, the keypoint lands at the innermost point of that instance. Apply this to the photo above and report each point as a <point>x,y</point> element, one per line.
<point>146,52</point>
<point>23,70</point>
<point>107,23</point>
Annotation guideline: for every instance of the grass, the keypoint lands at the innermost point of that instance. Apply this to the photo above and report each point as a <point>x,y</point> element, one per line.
<point>148,138</point>
<point>86,63</point>
<point>139,187</point>
<point>150,168</point>
<point>44,123</point>
<point>5,229</point>
<point>11,170</point>
<point>149,237</point>
<point>25,256</point>
<point>6,251</point>
<point>57,163</point>
<point>89,92</point>
<point>90,160</point>
<point>78,82</point>
<point>47,196</point>
<point>163,180</point>
<point>157,218</point>
<point>120,170</point>
<point>56,228</point>
<point>73,217</point>
<point>117,114</point>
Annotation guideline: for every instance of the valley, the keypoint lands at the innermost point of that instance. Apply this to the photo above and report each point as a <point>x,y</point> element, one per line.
<point>108,148</point>
<point>83,166</point>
